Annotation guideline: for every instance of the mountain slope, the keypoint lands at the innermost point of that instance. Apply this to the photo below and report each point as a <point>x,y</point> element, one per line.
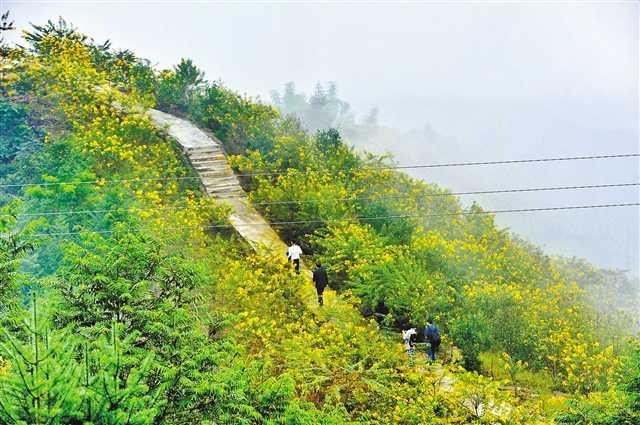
<point>151,309</point>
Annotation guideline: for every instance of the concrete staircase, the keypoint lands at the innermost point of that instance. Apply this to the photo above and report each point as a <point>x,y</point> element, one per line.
<point>216,176</point>
<point>205,154</point>
<point>209,161</point>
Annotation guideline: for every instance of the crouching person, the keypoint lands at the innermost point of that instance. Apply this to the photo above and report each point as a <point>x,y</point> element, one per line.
<point>409,339</point>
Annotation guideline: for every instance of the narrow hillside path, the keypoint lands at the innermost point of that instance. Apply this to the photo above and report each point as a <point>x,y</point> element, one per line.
<point>208,159</point>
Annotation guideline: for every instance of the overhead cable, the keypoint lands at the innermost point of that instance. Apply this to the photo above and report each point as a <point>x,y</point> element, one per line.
<point>348,219</point>
<point>306,201</point>
<point>276,173</point>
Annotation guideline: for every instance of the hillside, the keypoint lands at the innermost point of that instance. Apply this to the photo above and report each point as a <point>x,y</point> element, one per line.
<point>139,283</point>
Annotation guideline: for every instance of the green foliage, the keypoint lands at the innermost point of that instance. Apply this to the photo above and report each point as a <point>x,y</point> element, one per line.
<point>122,278</point>
<point>387,222</point>
<point>631,382</point>
<point>345,246</point>
<point>471,333</point>
<point>614,407</point>
<point>117,383</point>
<point>614,294</point>
<point>328,141</point>
<point>150,295</point>
<point>124,68</point>
<point>61,161</point>
<point>618,406</point>
<point>41,385</point>
<point>47,381</point>
<point>40,36</point>
<point>176,88</point>
<point>14,244</point>
<point>236,120</point>
<point>17,138</point>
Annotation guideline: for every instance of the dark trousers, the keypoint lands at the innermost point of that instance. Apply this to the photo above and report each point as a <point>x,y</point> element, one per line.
<point>296,263</point>
<point>320,292</point>
<point>431,352</point>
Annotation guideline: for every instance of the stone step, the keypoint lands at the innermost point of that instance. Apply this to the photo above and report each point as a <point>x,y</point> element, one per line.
<point>223,181</point>
<point>205,158</point>
<point>209,180</point>
<point>212,164</point>
<point>212,150</point>
<point>216,174</point>
<point>225,184</point>
<point>230,177</point>
<point>200,149</point>
<point>220,174</point>
<point>214,160</point>
<point>223,189</point>
<point>215,165</point>
<point>208,171</point>
<point>206,155</point>
<point>226,196</point>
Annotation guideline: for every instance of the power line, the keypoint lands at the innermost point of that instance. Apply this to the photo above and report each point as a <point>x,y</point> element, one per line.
<point>98,181</point>
<point>276,173</point>
<point>107,210</point>
<point>387,217</point>
<point>454,164</point>
<point>369,198</point>
<point>433,195</point>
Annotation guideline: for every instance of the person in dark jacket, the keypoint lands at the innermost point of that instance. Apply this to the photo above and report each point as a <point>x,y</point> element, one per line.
<point>432,336</point>
<point>320,280</point>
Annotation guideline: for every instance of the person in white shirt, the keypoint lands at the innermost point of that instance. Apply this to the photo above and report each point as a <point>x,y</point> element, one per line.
<point>409,338</point>
<point>293,254</point>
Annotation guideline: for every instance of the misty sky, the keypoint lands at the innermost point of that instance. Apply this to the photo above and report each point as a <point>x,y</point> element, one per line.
<point>494,81</point>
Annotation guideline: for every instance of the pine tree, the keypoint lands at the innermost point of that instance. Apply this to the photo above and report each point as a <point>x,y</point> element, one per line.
<point>13,245</point>
<point>42,384</point>
<point>49,378</point>
<point>115,383</point>
<point>5,25</point>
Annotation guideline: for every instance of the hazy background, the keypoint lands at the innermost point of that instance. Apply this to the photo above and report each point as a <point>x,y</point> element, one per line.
<point>453,82</point>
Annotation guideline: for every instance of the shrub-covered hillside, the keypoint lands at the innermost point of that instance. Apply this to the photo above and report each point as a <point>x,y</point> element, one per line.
<point>126,299</point>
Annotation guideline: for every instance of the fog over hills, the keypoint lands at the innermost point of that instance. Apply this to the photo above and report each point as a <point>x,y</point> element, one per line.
<point>519,130</point>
